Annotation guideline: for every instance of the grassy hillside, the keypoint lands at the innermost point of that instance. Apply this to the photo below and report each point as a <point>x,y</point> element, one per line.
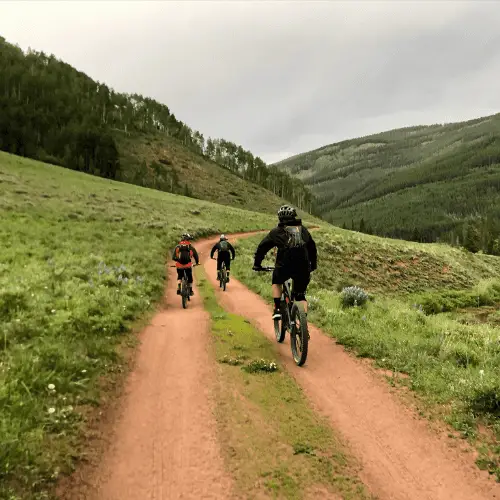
<point>431,317</point>
<point>162,162</point>
<point>52,112</point>
<point>417,183</point>
<point>80,259</point>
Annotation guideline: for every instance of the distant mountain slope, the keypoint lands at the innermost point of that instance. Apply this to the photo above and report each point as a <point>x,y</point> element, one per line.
<point>423,183</point>
<point>52,112</point>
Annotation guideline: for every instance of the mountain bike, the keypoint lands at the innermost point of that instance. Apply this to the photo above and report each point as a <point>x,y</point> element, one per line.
<point>293,320</point>
<point>223,276</point>
<point>185,289</point>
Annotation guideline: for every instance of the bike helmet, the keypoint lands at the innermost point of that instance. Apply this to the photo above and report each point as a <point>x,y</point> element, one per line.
<point>223,237</point>
<point>287,212</point>
<point>186,236</point>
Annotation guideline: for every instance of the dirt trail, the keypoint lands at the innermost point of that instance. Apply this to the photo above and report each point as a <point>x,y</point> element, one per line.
<point>164,445</point>
<point>400,456</point>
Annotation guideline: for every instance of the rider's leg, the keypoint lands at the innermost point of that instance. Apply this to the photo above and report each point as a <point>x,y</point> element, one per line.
<point>227,261</point>
<point>179,279</point>
<point>189,273</point>
<point>279,277</point>
<point>219,265</point>
<point>300,284</point>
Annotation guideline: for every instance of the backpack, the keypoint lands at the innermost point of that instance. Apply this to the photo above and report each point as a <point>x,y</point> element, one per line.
<point>223,246</point>
<point>294,238</point>
<point>184,253</point>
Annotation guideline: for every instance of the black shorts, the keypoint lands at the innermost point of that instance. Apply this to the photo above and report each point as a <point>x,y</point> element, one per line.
<point>301,278</point>
<point>189,274</point>
<point>223,257</point>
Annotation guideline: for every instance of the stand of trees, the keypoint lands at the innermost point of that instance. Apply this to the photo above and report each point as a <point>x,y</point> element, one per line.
<point>52,112</point>
<point>480,234</point>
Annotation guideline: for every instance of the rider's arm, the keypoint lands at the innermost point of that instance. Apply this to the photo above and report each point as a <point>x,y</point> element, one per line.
<point>195,255</point>
<point>174,257</point>
<point>231,248</point>
<point>214,248</point>
<point>312,252</point>
<point>265,245</point>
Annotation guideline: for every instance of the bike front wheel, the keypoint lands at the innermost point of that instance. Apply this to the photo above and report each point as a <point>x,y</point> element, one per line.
<point>299,334</point>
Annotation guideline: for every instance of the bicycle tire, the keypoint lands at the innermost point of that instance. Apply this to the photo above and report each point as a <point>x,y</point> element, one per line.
<point>224,276</point>
<point>184,292</point>
<point>282,325</point>
<point>301,334</point>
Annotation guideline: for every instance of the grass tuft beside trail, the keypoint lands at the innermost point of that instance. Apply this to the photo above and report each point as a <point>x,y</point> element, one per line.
<point>453,364</point>
<point>274,444</point>
<point>81,259</point>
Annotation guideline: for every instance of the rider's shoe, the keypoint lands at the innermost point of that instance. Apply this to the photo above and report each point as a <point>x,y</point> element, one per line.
<point>276,314</point>
<point>191,293</point>
<point>227,278</point>
<point>178,291</point>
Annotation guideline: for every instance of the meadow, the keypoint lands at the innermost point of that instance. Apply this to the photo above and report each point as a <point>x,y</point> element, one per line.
<point>82,259</point>
<point>415,326</point>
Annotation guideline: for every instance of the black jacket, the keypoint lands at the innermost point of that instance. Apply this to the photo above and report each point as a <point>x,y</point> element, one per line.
<point>277,237</point>
<point>216,248</point>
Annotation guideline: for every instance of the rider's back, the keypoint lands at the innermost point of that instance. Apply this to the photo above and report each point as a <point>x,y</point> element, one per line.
<point>291,239</point>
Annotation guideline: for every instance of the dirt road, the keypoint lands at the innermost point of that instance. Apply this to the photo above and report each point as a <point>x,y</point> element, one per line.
<point>165,444</point>
<point>401,458</point>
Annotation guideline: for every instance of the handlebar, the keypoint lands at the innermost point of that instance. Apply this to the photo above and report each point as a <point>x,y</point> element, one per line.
<point>264,269</point>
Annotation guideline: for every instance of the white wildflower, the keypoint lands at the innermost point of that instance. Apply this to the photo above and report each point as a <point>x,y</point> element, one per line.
<point>51,411</point>
<point>84,371</point>
<point>53,311</point>
<point>51,387</point>
<point>481,373</point>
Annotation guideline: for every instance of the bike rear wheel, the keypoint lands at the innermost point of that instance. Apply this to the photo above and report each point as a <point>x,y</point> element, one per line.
<point>184,293</point>
<point>299,334</point>
<point>223,277</point>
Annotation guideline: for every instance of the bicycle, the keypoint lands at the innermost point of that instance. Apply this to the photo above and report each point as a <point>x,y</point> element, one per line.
<point>185,289</point>
<point>292,313</point>
<point>223,276</point>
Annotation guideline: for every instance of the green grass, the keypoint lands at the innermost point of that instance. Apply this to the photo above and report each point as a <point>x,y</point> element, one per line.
<point>428,178</point>
<point>273,442</point>
<point>81,259</point>
<point>454,366</point>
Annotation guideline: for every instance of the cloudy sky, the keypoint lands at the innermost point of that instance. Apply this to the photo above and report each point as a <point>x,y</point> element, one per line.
<point>280,77</point>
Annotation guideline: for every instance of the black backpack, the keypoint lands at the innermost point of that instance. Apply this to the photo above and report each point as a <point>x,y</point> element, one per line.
<point>184,255</point>
<point>223,246</point>
<point>295,240</point>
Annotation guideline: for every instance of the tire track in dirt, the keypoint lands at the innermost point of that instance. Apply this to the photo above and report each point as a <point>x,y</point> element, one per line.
<point>401,458</point>
<point>164,445</point>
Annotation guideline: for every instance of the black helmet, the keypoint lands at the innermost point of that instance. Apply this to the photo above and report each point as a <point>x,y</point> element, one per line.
<point>186,236</point>
<point>287,212</point>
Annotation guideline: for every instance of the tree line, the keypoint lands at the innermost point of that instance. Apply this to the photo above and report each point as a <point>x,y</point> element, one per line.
<point>476,234</point>
<point>54,113</point>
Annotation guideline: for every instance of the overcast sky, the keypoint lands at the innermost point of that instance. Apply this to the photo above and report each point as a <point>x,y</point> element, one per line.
<point>280,77</point>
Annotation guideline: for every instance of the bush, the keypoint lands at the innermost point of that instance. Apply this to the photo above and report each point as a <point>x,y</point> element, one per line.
<point>353,296</point>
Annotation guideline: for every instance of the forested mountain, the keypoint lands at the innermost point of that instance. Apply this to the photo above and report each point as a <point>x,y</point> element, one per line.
<point>52,112</point>
<point>426,183</point>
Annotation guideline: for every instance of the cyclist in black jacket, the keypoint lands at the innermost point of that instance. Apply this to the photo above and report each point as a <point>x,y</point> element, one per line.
<point>223,248</point>
<point>297,256</point>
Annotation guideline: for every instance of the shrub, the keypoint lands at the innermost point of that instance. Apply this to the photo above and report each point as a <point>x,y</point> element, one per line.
<point>353,296</point>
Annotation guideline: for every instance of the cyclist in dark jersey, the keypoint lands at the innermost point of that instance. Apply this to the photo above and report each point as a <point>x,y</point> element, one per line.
<point>223,249</point>
<point>296,258</point>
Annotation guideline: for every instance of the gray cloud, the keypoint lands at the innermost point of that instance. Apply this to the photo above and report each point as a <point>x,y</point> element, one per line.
<point>280,77</point>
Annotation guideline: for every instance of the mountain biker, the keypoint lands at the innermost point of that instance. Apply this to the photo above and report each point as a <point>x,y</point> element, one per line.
<point>183,253</point>
<point>296,257</point>
<point>223,247</point>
